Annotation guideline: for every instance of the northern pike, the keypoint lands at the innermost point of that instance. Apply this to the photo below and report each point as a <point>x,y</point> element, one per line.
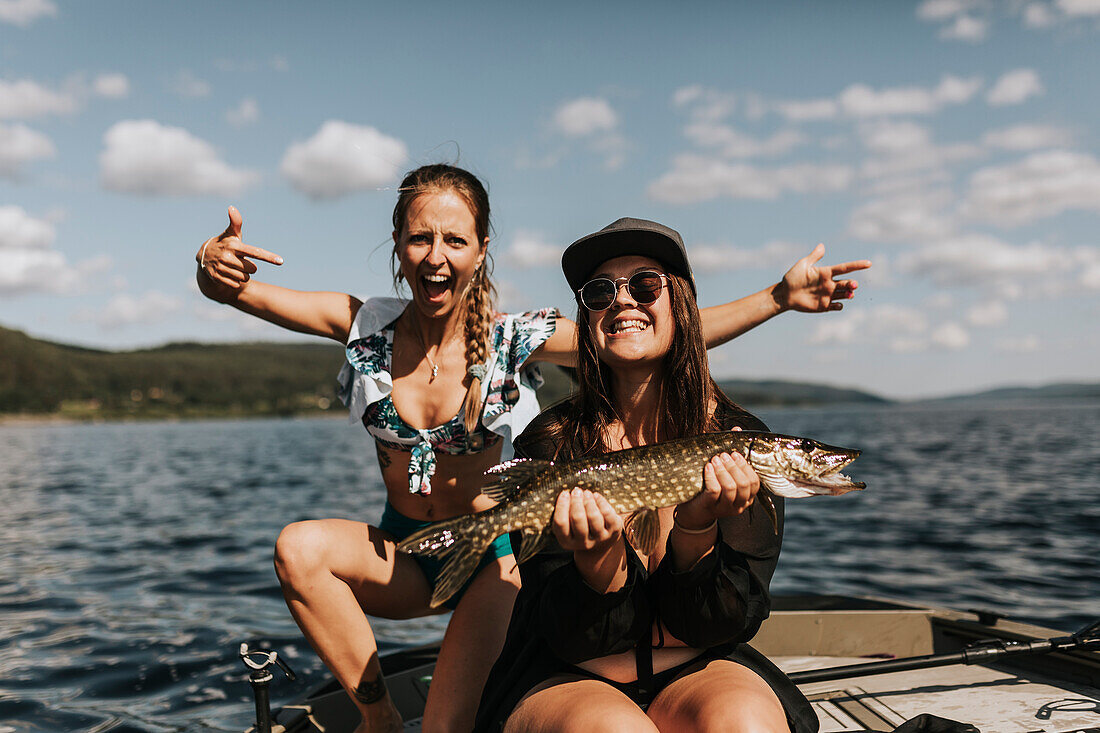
<point>638,480</point>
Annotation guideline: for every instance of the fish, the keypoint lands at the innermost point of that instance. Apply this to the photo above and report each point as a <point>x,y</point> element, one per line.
<point>635,480</point>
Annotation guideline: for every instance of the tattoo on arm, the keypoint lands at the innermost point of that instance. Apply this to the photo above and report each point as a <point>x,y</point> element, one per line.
<point>384,459</point>
<point>371,691</point>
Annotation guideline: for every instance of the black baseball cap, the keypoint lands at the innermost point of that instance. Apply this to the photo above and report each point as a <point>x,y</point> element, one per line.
<point>626,236</point>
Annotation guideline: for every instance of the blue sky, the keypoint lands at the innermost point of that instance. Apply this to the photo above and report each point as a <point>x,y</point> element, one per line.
<point>954,142</point>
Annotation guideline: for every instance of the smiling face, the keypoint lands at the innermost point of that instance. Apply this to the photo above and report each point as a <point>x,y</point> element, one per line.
<point>631,334</point>
<point>439,251</point>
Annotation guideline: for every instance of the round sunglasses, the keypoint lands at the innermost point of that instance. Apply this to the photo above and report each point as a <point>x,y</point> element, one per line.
<point>644,287</point>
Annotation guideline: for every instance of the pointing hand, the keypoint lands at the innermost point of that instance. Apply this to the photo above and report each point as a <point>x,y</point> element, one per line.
<point>224,259</point>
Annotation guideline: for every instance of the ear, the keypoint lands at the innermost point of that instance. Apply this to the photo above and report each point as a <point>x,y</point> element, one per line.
<point>484,249</point>
<point>396,237</point>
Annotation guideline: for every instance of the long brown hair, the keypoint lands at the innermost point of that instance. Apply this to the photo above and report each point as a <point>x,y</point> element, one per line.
<point>686,395</point>
<point>480,293</point>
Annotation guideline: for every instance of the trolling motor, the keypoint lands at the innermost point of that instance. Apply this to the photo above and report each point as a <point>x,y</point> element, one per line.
<point>259,660</point>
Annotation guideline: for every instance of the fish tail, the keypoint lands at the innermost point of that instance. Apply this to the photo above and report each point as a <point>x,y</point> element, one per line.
<point>460,543</point>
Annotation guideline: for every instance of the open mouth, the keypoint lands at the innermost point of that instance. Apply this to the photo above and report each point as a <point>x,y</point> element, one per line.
<point>435,285</point>
<point>627,325</point>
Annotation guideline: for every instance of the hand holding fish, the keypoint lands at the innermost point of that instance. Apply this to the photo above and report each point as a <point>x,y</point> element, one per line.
<point>730,486</point>
<point>585,523</point>
<point>810,288</point>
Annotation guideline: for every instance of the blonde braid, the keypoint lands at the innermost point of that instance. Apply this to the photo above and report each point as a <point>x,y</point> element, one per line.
<point>479,316</point>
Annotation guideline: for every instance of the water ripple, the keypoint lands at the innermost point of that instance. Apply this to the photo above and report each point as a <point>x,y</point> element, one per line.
<point>134,558</point>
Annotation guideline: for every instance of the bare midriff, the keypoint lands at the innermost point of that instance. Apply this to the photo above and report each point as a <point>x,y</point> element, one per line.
<point>456,485</point>
<point>622,667</point>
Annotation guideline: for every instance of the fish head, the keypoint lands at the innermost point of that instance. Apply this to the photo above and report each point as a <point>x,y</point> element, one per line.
<point>794,467</point>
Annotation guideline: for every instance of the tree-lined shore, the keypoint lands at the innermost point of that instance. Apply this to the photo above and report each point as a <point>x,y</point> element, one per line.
<point>43,380</point>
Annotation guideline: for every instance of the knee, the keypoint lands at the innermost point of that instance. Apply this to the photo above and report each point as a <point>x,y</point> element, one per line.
<point>616,720</point>
<point>753,713</point>
<point>300,551</point>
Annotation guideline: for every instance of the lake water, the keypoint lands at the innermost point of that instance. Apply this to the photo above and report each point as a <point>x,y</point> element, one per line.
<point>134,558</point>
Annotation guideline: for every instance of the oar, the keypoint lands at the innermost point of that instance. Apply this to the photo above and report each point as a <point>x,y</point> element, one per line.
<point>976,653</point>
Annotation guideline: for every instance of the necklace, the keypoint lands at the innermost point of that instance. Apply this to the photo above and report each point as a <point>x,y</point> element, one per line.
<point>424,346</point>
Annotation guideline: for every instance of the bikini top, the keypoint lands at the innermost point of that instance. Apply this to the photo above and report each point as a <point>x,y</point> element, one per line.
<point>507,391</point>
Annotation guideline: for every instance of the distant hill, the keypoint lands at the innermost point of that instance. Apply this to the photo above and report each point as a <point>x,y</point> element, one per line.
<point>1065,390</point>
<point>203,380</point>
<point>178,380</point>
<point>775,393</point>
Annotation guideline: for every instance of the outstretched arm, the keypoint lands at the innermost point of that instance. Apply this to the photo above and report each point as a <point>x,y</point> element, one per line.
<point>225,270</point>
<point>806,287</point>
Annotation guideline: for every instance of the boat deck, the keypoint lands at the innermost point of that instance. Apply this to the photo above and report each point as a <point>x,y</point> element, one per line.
<point>1009,696</point>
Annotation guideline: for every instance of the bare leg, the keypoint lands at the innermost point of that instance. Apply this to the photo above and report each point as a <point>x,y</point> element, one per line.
<point>572,704</point>
<point>334,570</point>
<point>471,645</point>
<point>722,696</point>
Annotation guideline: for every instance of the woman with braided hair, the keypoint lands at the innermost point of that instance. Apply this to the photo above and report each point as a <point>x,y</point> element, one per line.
<point>443,358</point>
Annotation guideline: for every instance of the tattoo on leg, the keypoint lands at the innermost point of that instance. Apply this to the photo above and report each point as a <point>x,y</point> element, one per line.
<point>370,691</point>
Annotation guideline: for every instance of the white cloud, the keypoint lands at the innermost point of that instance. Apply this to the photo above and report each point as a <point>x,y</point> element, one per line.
<point>950,335</point>
<point>124,310</point>
<point>531,250</point>
<point>20,231</point>
<point>939,10</point>
<point>1042,184</point>
<point>902,148</point>
<point>734,144</point>
<point>902,329</point>
<point>1022,344</point>
<point>1079,7</point>
<point>1038,15</point>
<point>585,116</point>
<point>342,158</point>
<point>112,86</point>
<point>706,104</point>
<point>966,28</point>
<point>808,110</point>
<point>145,157</point>
<point>24,99</point>
<point>774,254</point>
<point>893,137</point>
<point>24,12</point>
<point>186,84</point>
<point>1015,87</point>
<point>28,262</point>
<point>245,113</point>
<point>991,265</point>
<point>696,178</point>
<point>860,100</point>
<point>20,144</point>
<point>909,217</point>
<point>1027,137</point>
<point>987,313</point>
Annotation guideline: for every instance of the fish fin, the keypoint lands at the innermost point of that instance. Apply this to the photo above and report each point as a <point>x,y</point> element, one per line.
<point>643,526</point>
<point>533,541</point>
<point>459,542</point>
<point>765,499</point>
<point>504,479</point>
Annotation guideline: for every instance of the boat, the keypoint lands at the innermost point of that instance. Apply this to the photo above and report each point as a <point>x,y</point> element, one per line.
<point>896,661</point>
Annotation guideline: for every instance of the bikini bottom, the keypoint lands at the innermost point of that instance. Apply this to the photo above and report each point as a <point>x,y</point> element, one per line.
<point>643,695</point>
<point>400,526</point>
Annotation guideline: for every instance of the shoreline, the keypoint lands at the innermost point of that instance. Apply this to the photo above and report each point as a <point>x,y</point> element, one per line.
<point>33,420</point>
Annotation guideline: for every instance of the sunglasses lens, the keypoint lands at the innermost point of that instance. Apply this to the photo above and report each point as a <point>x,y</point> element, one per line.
<point>645,286</point>
<point>598,295</point>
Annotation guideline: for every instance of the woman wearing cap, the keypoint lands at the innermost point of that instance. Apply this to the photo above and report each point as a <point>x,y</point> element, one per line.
<point>444,358</point>
<point>604,632</point>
